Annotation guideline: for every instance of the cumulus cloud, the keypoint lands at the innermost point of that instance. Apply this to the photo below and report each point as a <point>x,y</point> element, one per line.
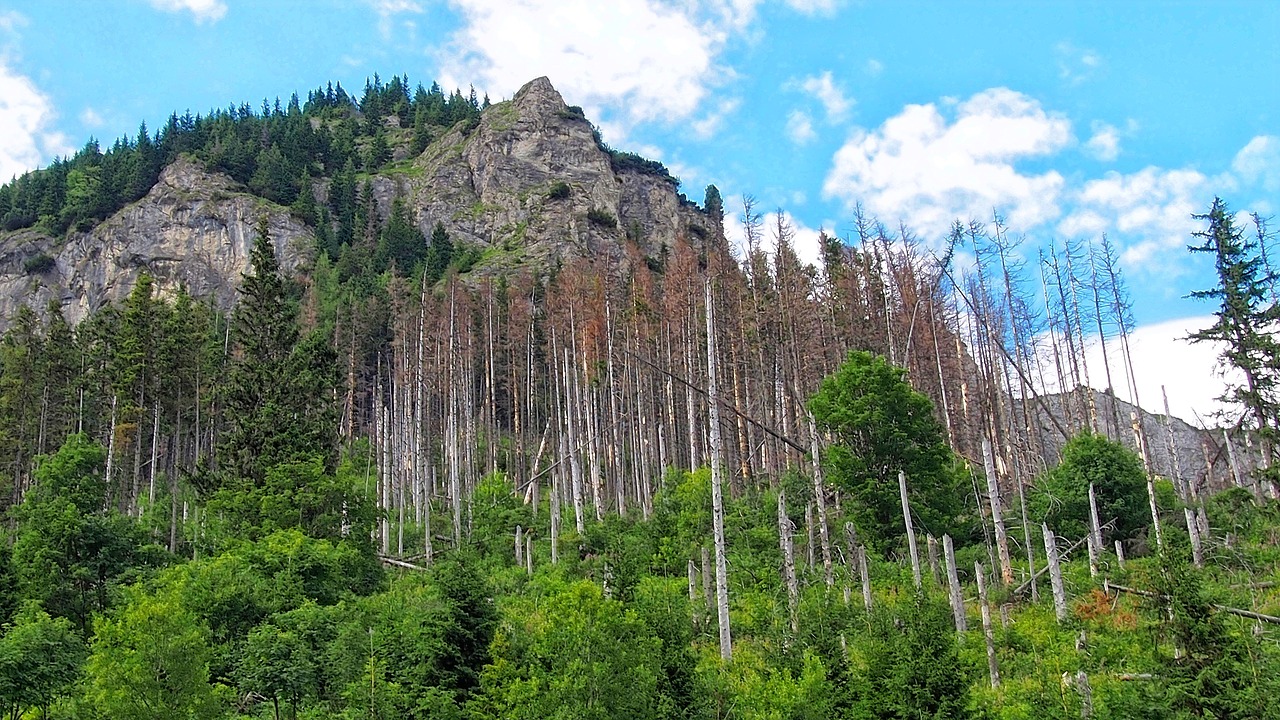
<point>824,90</point>
<point>28,136</point>
<point>800,127</point>
<point>814,7</point>
<point>646,59</point>
<point>202,10</point>
<point>1104,144</point>
<point>804,239</point>
<point>710,123</point>
<point>1259,162</point>
<point>1153,206</point>
<point>927,169</point>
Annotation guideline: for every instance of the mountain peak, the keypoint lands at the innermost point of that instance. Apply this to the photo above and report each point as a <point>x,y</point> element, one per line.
<point>539,96</point>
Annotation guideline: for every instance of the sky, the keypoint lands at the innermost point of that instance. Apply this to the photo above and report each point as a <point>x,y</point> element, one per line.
<point>1069,119</point>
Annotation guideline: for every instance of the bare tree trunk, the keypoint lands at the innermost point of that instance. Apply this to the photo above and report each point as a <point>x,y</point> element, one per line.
<point>785,530</point>
<point>997,515</point>
<point>931,547</point>
<point>1140,440</point>
<point>865,576</point>
<point>820,497</point>
<point>993,670</point>
<point>1055,574</point>
<point>911,530</point>
<point>717,497</point>
<point>953,585</point>
<point>155,444</point>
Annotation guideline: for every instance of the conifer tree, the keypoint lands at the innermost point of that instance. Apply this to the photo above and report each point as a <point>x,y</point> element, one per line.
<point>277,404</point>
<point>1246,322</point>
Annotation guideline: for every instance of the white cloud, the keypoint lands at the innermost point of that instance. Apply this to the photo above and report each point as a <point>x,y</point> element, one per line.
<point>91,118</point>
<point>1162,357</point>
<point>814,7</point>
<point>1153,205</point>
<point>800,127</point>
<point>1105,143</point>
<point>711,122</point>
<point>388,9</point>
<point>202,10</point>
<point>922,168</point>
<point>27,133</point>
<point>824,89</point>
<point>392,7</point>
<point>1076,64</point>
<point>646,59</point>
<point>1259,162</point>
<point>804,239</point>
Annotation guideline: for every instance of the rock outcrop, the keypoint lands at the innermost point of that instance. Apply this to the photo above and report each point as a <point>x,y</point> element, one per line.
<point>530,184</point>
<point>194,228</point>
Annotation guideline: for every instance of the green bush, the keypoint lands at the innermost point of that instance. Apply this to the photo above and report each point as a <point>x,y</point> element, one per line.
<point>39,264</point>
<point>1061,497</point>
<point>559,190</point>
<point>603,218</point>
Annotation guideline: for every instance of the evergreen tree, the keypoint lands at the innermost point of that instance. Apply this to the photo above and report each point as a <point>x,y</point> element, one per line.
<point>1247,323</point>
<point>278,396</point>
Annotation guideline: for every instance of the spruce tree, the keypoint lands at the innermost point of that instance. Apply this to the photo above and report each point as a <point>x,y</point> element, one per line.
<point>1246,322</point>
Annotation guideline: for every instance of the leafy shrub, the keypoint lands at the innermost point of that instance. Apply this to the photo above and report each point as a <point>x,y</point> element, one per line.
<point>1061,496</point>
<point>39,264</point>
<point>559,190</point>
<point>603,218</point>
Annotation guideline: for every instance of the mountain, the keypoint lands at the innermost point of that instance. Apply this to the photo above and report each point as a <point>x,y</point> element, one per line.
<point>528,184</point>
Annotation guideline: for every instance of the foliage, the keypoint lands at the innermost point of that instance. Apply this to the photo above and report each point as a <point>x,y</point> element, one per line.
<point>39,264</point>
<point>1218,673</point>
<point>913,666</point>
<point>275,151</point>
<point>1061,496</point>
<point>601,217</point>
<point>150,661</point>
<point>70,550</point>
<point>40,659</point>
<point>559,190</point>
<point>1247,318</point>
<point>570,652</point>
<point>880,427</point>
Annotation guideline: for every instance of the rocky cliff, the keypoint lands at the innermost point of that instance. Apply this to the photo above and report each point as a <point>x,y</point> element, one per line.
<point>529,184</point>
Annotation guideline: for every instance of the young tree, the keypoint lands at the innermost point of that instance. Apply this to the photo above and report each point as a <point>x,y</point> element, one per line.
<point>881,426</point>
<point>1061,497</point>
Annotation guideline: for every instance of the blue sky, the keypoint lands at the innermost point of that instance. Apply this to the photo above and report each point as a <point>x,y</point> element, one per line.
<point>1069,118</point>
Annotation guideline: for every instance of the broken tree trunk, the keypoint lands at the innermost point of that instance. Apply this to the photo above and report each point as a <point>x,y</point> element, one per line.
<point>911,530</point>
<point>953,585</point>
<point>993,670</point>
<point>997,517</point>
<point>1095,533</point>
<point>1055,573</point>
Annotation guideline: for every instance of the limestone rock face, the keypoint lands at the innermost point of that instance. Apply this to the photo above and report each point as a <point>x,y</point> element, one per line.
<point>522,184</point>
<point>503,186</point>
<point>194,228</point>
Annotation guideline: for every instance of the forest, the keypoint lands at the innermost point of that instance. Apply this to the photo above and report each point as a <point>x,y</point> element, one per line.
<point>714,483</point>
